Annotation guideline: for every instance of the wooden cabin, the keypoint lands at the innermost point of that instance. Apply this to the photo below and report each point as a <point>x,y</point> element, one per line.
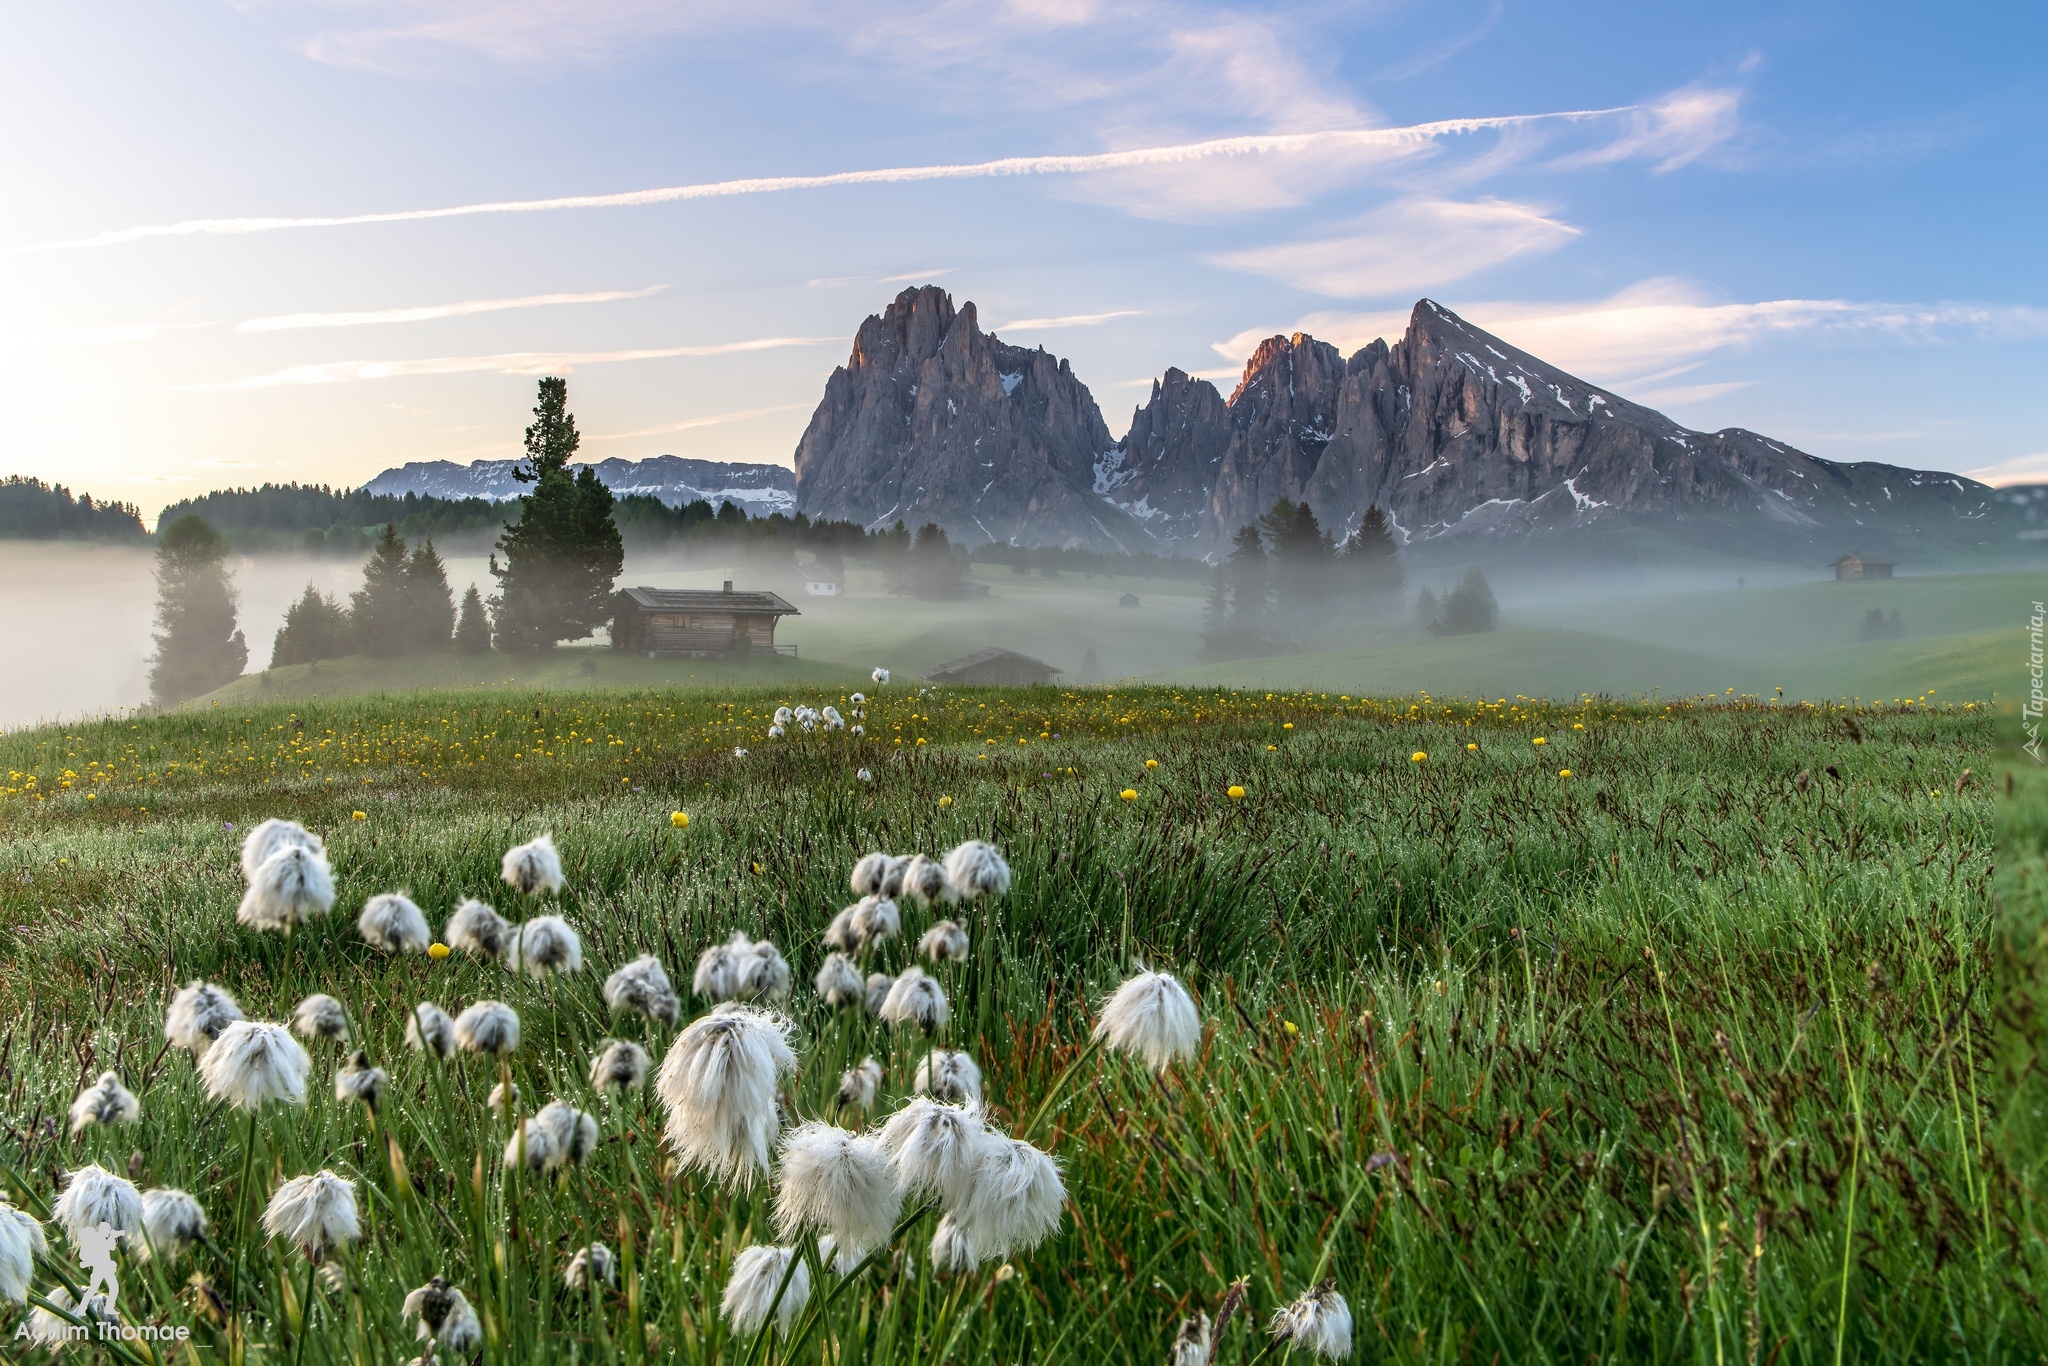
<point>997,668</point>
<point>678,622</point>
<point>1855,566</point>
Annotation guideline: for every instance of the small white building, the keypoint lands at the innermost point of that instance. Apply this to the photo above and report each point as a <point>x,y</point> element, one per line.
<point>822,588</point>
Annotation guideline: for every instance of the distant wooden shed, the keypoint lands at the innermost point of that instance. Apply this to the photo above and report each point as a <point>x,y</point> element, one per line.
<point>995,667</point>
<point>676,622</point>
<point>1855,566</point>
<point>1128,600</point>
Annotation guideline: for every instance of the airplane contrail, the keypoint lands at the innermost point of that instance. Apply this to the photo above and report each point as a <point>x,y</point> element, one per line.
<point>1251,145</point>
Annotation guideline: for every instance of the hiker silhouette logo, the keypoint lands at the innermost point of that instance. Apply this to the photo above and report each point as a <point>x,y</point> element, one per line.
<point>96,1255</point>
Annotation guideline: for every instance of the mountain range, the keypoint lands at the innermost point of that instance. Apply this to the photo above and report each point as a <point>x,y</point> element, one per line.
<point>760,489</point>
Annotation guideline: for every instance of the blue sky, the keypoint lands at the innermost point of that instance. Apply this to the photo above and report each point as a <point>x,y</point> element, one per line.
<point>1819,221</point>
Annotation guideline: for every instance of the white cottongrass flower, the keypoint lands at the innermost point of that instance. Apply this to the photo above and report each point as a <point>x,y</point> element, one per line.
<point>545,944</point>
<point>878,991</point>
<point>320,1016</point>
<point>934,1148</point>
<point>839,982</point>
<point>533,867</point>
<point>875,921</point>
<point>833,720</point>
<point>360,1081</point>
<point>172,1222</point>
<point>892,877</point>
<point>718,1086</point>
<point>592,1264</point>
<point>254,1062</point>
<point>925,882</point>
<point>490,1027</point>
<point>430,1030</point>
<point>868,872</point>
<point>835,1181</point>
<point>643,986</point>
<point>55,1331</point>
<point>775,732</point>
<point>976,870</point>
<point>478,930</point>
<point>841,1260</point>
<point>783,715</point>
<point>1192,1343</point>
<point>292,886</point>
<point>866,775</point>
<point>1012,1200</point>
<point>750,1291</point>
<point>858,729</point>
<point>945,942</point>
<point>948,1075</point>
<point>94,1196</point>
<point>717,977</point>
<point>880,676</point>
<point>951,1248</point>
<point>558,1135</point>
<point>392,923</point>
<point>857,1086</point>
<point>738,752</point>
<point>619,1067</point>
<point>271,836</point>
<point>198,1013</point>
<point>1319,1322</point>
<point>503,1096</point>
<point>21,1242</point>
<point>916,999</point>
<point>764,974</point>
<point>106,1101</point>
<point>445,1317</point>
<point>317,1212</point>
<point>1151,1016</point>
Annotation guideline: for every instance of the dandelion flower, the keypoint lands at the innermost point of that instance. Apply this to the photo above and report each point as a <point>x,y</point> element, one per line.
<point>1472,745</point>
<point>360,1081</point>
<point>1012,1200</point>
<point>838,982</point>
<point>1191,1344</point>
<point>757,1276</point>
<point>1318,1322</point>
<point>253,1062</point>
<point>392,923</point>
<point>490,1027</point>
<point>445,1317</point>
<point>948,1075</point>
<point>172,1222</point>
<point>320,1016</point>
<point>106,1101</point>
<point>478,930</point>
<point>430,1030</point>
<point>868,872</point>
<point>933,1148</point>
<point>679,819</point>
<point>269,837</point>
<point>976,869</point>
<point>878,991</point>
<point>1419,756</point>
<point>619,1067</point>
<point>924,881</point>
<point>559,1135</point>
<point>944,802</point>
<point>1234,792</point>
<point>944,942</point>
<point>718,1085</point>
<point>292,886</point>
<point>21,1242</point>
<point>1540,741</point>
<point>834,1181</point>
<point>543,945</point>
<point>592,1264</point>
<point>1564,773</point>
<point>94,1196</point>
<point>1152,1017</point>
<point>857,1086</point>
<point>643,986</point>
<point>916,999</point>
<point>198,1013</point>
<point>533,867</point>
<point>437,951</point>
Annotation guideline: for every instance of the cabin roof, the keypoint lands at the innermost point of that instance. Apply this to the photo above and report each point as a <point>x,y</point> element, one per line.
<point>952,668</point>
<point>711,600</point>
<point>1853,558</point>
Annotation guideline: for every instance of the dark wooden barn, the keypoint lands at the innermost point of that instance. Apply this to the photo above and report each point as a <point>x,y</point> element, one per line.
<point>675,622</point>
<point>1001,668</point>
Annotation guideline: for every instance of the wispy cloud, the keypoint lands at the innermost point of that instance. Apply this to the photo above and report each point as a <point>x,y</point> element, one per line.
<point>2021,469</point>
<point>692,423</point>
<point>1408,247</point>
<point>838,281</point>
<point>1071,320</point>
<point>512,363</point>
<point>1680,128</point>
<point>290,322</point>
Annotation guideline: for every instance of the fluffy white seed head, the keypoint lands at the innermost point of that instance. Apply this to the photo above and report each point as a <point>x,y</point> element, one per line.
<point>945,942</point>
<point>1318,1322</point>
<point>880,676</point>
<point>916,999</point>
<point>106,1101</point>
<point>868,872</point>
<point>1012,1200</point>
<point>533,867</point>
<point>198,1013</point>
<point>619,1067</point>
<point>839,982</point>
<point>875,921</point>
<point>718,1086</point>
<point>592,1264</point>
<point>952,1250</point>
<point>54,1331</point>
<point>503,1097</point>
<point>1192,1343</point>
<point>477,930</point>
<point>643,986</point>
<point>543,945</point>
<point>892,877</point>
<point>783,716</point>
<point>833,720</point>
<point>317,1212</point>
<point>764,974</point>
<point>490,1027</point>
<point>392,923</point>
<point>750,1291</point>
<point>320,1016</point>
<point>857,1086</point>
<point>925,882</point>
<point>934,1149</point>
<point>271,836</point>
<point>775,732</point>
<point>445,1317</point>
<point>172,1221</point>
<point>1151,1016</point>
<point>834,1181</point>
<point>976,870</point>
<point>292,886</point>
<point>254,1062</point>
<point>948,1075</point>
<point>717,977</point>
<point>360,1081</point>
<point>21,1242</point>
<point>94,1196</point>
<point>558,1135</point>
<point>878,985</point>
<point>430,1030</point>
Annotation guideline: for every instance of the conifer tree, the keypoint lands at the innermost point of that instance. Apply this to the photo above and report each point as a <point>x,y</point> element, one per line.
<point>198,646</point>
<point>564,553</point>
<point>472,628</point>
<point>1373,556</point>
<point>429,604</point>
<point>380,610</point>
<point>1470,608</point>
<point>315,627</point>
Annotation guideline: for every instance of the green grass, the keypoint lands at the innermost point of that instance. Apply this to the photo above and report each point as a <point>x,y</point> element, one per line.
<point>1690,1056</point>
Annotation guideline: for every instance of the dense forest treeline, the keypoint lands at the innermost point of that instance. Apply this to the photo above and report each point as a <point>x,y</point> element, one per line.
<point>31,510</point>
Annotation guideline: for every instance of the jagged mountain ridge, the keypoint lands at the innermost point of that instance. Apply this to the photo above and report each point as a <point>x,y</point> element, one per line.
<point>1458,435</point>
<point>674,479</point>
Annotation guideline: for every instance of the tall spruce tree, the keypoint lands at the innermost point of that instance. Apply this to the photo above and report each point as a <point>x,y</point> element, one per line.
<point>198,646</point>
<point>429,604</point>
<point>381,610</point>
<point>1469,608</point>
<point>1373,557</point>
<point>315,627</point>
<point>1302,556</point>
<point>564,553</point>
<point>472,628</point>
